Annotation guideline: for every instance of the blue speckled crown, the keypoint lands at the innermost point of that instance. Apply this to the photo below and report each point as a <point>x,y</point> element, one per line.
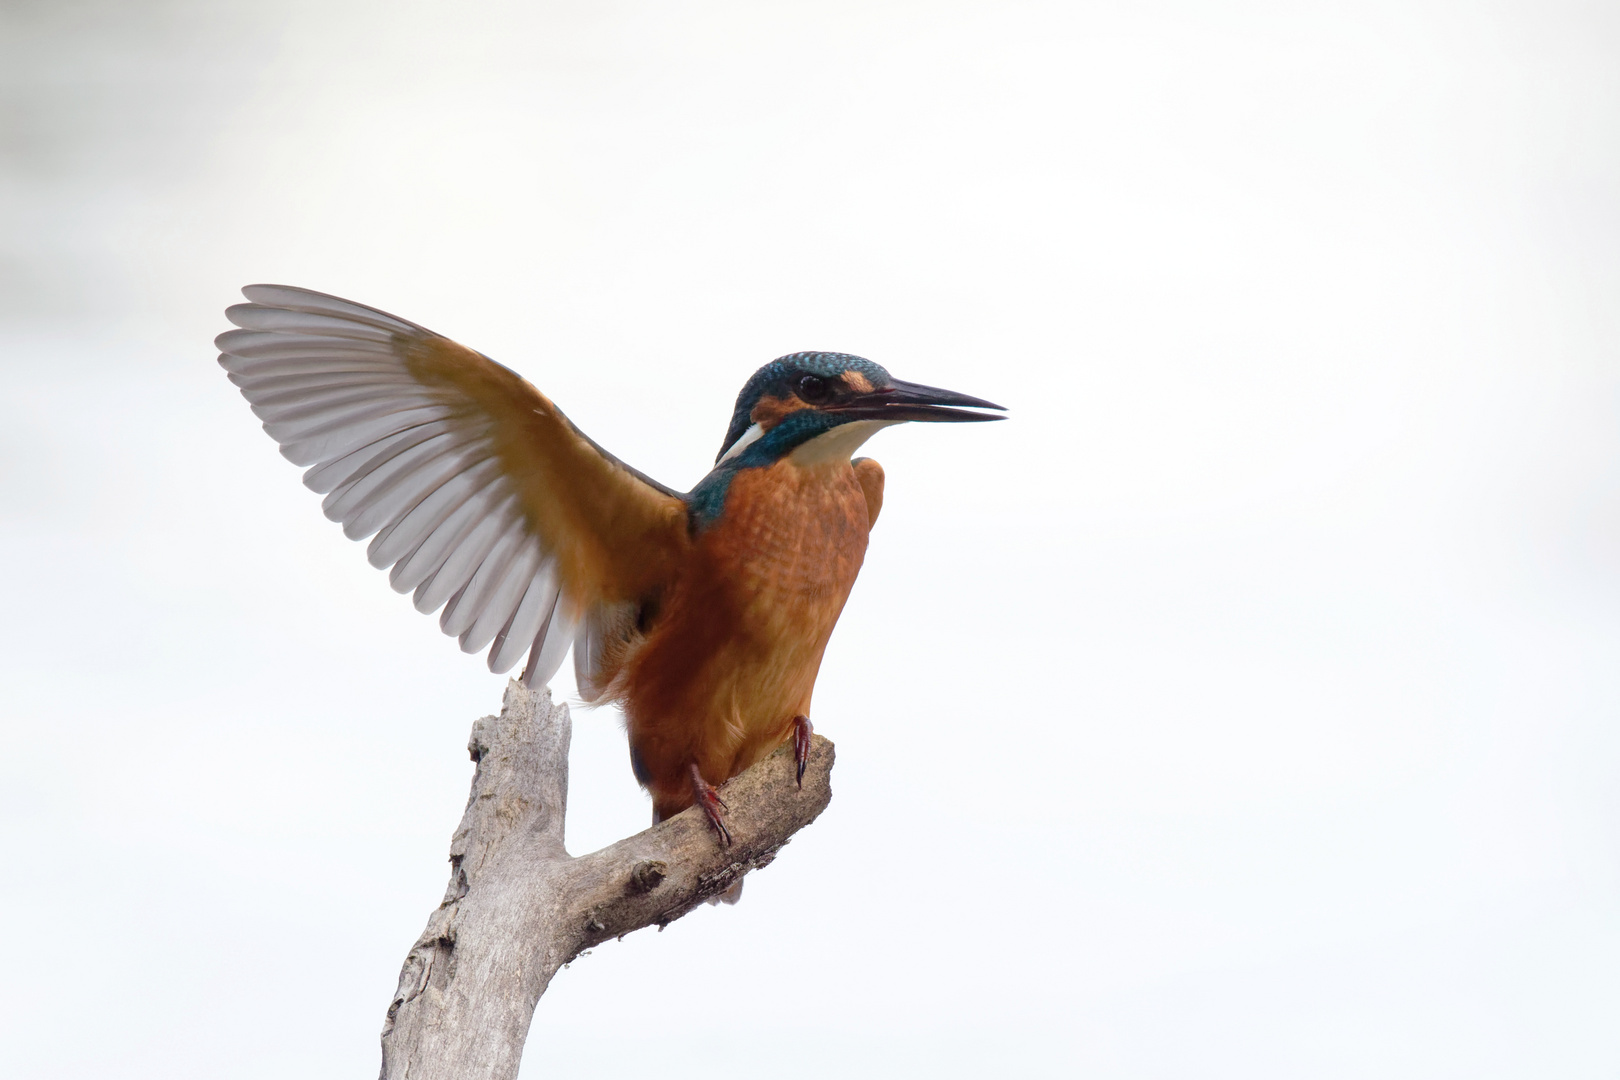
<point>777,376</point>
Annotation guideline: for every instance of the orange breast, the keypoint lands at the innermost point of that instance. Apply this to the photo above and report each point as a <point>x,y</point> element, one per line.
<point>733,654</point>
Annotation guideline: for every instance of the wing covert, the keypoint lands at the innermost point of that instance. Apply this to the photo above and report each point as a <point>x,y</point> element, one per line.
<point>478,493</point>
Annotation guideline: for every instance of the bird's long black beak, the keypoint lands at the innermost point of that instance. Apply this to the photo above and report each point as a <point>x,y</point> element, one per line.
<point>913,401</point>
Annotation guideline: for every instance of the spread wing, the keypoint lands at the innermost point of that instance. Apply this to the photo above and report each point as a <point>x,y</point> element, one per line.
<point>483,497</point>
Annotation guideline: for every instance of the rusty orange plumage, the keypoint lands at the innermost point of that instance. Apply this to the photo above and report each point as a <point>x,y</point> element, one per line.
<point>733,659</point>
<point>703,614</point>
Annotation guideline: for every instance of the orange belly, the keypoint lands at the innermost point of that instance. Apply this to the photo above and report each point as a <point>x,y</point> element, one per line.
<point>732,655</point>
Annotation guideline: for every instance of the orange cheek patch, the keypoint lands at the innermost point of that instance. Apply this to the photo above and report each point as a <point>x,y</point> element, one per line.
<point>771,410</point>
<point>857,382</point>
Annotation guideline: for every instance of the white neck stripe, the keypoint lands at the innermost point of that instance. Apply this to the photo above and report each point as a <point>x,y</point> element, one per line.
<point>744,441</point>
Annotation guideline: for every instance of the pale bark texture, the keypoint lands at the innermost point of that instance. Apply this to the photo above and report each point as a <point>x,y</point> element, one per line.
<point>519,906</point>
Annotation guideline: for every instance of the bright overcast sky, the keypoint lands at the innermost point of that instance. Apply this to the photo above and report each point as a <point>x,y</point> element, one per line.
<point>1245,706</point>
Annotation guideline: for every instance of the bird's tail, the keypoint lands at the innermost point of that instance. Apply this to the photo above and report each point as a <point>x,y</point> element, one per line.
<point>730,896</point>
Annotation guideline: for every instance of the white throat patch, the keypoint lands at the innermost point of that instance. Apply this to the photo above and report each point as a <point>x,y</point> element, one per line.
<point>837,444</point>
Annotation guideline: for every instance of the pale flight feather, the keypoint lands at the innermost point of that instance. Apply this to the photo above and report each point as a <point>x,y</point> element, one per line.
<point>417,463</point>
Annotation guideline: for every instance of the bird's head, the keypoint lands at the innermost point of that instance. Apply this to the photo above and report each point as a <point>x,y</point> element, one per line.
<point>819,403</point>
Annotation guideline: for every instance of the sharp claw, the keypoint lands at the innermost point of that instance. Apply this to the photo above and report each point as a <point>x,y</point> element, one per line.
<point>802,731</point>
<point>704,794</point>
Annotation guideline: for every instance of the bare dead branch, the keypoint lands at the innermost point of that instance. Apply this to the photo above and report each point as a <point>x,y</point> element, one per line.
<point>519,907</point>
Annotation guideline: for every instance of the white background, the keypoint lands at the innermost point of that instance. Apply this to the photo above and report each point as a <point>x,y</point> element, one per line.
<point>1245,706</point>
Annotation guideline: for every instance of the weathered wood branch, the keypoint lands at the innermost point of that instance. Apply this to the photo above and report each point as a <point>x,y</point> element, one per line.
<point>519,907</point>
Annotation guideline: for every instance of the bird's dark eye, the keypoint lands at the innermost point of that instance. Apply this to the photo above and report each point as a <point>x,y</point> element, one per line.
<point>814,389</point>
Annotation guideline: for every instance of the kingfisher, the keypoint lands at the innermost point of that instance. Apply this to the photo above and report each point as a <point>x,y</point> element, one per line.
<point>703,615</point>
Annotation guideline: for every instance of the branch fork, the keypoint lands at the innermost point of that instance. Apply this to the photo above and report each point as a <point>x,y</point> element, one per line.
<point>518,906</point>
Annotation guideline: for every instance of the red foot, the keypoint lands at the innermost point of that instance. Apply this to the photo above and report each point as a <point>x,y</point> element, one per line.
<point>709,799</point>
<point>801,744</point>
